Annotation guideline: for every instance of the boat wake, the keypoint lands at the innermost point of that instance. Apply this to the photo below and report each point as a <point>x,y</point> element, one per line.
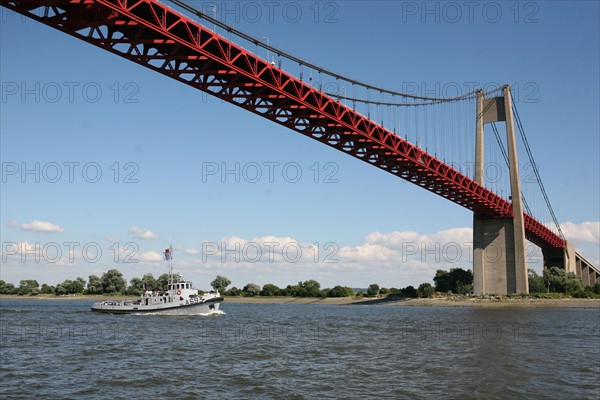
<point>212,313</point>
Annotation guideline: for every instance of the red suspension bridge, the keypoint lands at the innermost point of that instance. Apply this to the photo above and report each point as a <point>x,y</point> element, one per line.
<point>149,33</point>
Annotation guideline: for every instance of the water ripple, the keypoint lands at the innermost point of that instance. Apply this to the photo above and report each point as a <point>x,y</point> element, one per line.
<point>56,350</point>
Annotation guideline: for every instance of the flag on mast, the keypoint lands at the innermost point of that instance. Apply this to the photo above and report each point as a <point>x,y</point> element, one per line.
<point>169,254</point>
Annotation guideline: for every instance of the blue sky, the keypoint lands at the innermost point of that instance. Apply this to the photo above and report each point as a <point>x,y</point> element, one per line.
<point>71,107</point>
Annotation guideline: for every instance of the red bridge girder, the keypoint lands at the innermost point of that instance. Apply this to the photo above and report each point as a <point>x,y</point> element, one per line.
<point>157,37</point>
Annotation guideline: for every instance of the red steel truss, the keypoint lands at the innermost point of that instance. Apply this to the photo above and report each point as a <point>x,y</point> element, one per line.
<point>155,36</point>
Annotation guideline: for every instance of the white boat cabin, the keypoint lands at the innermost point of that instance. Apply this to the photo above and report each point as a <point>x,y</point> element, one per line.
<point>177,291</point>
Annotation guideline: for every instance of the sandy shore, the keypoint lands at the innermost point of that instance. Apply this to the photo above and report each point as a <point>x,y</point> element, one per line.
<point>441,301</point>
<point>432,302</point>
<point>499,303</point>
<point>293,300</point>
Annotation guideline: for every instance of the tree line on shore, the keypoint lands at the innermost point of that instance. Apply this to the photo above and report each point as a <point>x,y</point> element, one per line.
<point>456,280</point>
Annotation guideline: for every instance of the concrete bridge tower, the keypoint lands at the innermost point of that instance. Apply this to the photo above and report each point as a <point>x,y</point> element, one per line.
<point>499,264</point>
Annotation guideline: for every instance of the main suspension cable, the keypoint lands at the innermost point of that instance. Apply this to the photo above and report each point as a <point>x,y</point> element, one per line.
<point>505,156</point>
<point>535,170</point>
<point>281,53</point>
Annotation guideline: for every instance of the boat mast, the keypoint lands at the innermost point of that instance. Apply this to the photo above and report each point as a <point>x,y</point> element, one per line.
<point>171,264</point>
<point>169,258</point>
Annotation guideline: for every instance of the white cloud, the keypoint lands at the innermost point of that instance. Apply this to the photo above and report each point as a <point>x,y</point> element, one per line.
<point>42,226</point>
<point>454,235</point>
<point>149,256</point>
<point>398,239</point>
<point>391,259</point>
<point>142,233</point>
<point>393,238</point>
<point>584,232</point>
<point>232,241</point>
<point>12,223</point>
<point>280,241</point>
<point>448,246</point>
<point>397,256</point>
<point>257,252</point>
<point>368,252</point>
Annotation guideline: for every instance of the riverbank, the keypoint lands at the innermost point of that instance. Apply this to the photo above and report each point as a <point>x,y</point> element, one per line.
<point>464,301</point>
<point>439,301</point>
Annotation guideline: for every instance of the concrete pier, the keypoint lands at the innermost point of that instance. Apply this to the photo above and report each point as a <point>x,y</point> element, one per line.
<point>571,261</point>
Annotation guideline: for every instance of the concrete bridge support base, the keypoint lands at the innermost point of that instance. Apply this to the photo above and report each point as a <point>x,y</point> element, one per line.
<point>561,258</point>
<point>499,265</point>
<point>571,261</point>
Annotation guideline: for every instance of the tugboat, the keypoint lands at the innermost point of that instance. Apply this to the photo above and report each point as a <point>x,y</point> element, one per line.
<point>179,298</point>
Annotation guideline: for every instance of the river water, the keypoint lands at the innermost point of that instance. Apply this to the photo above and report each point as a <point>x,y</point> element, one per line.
<point>59,349</point>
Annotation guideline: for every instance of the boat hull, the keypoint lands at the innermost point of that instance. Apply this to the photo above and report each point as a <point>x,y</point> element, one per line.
<point>208,307</point>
